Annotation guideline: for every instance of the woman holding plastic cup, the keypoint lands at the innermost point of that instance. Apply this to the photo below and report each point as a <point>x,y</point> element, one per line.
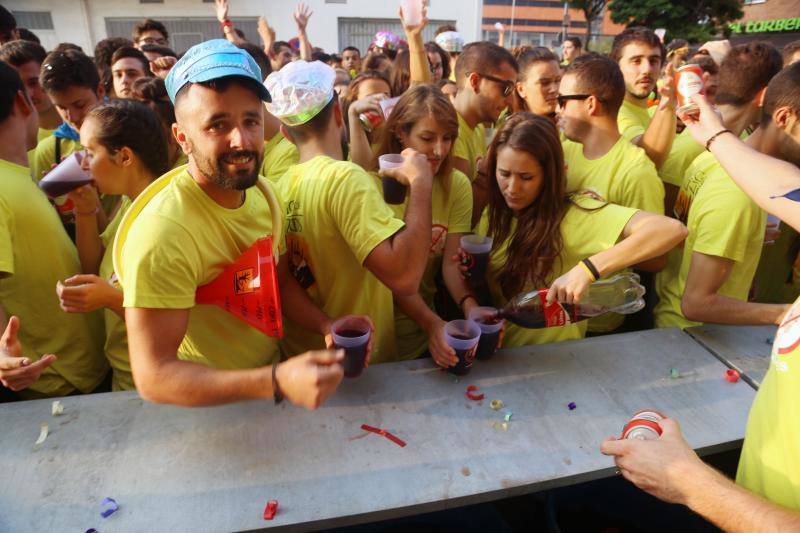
<point>364,114</point>
<point>126,149</point>
<point>541,235</point>
<point>425,120</point>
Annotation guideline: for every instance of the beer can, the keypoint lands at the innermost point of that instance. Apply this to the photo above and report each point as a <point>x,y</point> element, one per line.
<point>688,82</point>
<point>370,120</point>
<point>643,425</point>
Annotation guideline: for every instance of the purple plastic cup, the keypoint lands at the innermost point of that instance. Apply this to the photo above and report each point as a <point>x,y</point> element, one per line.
<point>491,326</point>
<point>394,192</point>
<point>462,336</point>
<point>352,335</point>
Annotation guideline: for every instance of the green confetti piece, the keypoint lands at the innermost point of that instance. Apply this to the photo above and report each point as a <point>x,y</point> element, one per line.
<point>508,416</point>
<point>674,374</point>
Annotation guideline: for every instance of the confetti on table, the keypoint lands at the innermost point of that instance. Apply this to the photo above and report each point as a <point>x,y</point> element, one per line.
<point>508,416</point>
<point>271,509</point>
<point>111,507</point>
<point>674,374</point>
<point>770,340</point>
<point>732,375</point>
<point>57,409</point>
<point>92,530</point>
<point>471,393</point>
<point>384,433</point>
<point>496,405</point>
<point>572,406</point>
<point>43,431</point>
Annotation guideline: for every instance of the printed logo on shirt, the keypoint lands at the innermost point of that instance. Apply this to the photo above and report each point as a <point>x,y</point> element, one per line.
<point>438,238</point>
<point>300,260</point>
<point>686,195</point>
<point>787,340</point>
<point>243,281</point>
<point>293,217</point>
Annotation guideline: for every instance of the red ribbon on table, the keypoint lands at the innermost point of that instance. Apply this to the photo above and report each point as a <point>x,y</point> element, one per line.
<point>384,433</point>
<point>474,397</point>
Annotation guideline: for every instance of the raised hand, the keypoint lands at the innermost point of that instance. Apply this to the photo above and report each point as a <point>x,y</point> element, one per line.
<point>301,15</point>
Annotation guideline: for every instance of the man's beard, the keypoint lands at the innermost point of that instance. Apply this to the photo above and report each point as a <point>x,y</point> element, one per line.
<point>238,180</point>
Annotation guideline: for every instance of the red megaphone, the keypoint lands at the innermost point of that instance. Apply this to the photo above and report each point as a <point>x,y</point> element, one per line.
<point>248,289</point>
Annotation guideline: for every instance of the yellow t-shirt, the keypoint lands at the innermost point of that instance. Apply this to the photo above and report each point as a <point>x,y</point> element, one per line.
<point>279,154</point>
<point>43,134</point>
<point>116,346</point>
<point>589,226</point>
<point>684,150</point>
<point>770,460</point>
<point>723,222</point>
<point>632,120</point>
<point>183,239</point>
<point>452,214</point>
<point>623,176</point>
<point>336,216</point>
<point>35,253</point>
<point>470,145</point>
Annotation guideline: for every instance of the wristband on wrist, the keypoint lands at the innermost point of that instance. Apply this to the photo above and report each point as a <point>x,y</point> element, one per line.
<point>225,24</point>
<point>714,138</point>
<point>276,390</point>
<point>590,269</point>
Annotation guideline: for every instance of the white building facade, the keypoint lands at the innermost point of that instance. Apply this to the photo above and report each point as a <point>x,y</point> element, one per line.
<point>334,24</point>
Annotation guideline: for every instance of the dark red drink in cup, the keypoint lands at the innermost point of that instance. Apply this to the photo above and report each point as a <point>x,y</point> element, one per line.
<point>68,175</point>
<point>476,249</point>
<point>462,336</point>
<point>352,334</point>
<point>394,192</point>
<point>491,326</point>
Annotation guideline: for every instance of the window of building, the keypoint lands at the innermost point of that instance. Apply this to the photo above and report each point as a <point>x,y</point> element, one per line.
<point>34,20</point>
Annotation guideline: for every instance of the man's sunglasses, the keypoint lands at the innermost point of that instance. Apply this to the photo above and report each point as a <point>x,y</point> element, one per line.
<point>562,98</point>
<point>508,85</point>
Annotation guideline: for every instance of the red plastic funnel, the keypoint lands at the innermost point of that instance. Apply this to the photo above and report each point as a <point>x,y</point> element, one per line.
<point>248,289</point>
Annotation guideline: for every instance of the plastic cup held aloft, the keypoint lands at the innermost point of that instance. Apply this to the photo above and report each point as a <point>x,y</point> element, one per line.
<point>477,248</point>
<point>394,192</point>
<point>491,325</point>
<point>352,335</point>
<point>462,336</point>
<point>65,177</point>
<point>412,11</point>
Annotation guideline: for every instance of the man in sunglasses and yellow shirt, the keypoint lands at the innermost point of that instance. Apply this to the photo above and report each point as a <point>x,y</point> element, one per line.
<point>485,76</point>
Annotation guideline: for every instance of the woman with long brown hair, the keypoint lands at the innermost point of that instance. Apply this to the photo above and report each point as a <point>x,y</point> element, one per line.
<point>541,236</point>
<point>425,120</point>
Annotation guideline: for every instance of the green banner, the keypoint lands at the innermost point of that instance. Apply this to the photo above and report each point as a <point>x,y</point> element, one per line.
<point>766,26</point>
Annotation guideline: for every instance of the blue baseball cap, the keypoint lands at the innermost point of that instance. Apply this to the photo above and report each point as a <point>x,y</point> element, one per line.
<point>211,60</point>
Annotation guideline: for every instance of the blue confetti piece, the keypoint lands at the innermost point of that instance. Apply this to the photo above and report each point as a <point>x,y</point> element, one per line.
<point>113,506</point>
<point>572,406</point>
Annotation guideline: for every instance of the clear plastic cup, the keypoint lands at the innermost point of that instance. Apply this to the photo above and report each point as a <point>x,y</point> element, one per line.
<point>463,337</point>
<point>491,326</point>
<point>412,11</point>
<point>352,335</point>
<point>67,176</point>
<point>394,192</point>
<point>477,248</point>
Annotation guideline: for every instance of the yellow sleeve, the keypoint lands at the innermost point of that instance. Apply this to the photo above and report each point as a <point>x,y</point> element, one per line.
<point>460,216</point>
<point>711,220</point>
<point>360,214</point>
<point>6,244</point>
<point>161,265</point>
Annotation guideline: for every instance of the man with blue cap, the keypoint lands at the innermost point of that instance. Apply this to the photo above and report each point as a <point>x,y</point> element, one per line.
<point>345,246</point>
<point>187,227</point>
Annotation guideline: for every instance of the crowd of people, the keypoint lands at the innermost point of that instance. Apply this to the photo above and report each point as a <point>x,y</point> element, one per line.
<point>577,167</point>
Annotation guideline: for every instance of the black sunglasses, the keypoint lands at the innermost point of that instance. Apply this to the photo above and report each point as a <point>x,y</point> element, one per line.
<point>508,85</point>
<point>562,98</point>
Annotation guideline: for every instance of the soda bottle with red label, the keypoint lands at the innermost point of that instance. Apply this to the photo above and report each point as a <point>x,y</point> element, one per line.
<point>621,294</point>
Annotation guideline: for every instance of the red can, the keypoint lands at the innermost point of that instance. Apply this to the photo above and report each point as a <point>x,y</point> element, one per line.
<point>643,425</point>
<point>370,120</point>
<point>688,82</point>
